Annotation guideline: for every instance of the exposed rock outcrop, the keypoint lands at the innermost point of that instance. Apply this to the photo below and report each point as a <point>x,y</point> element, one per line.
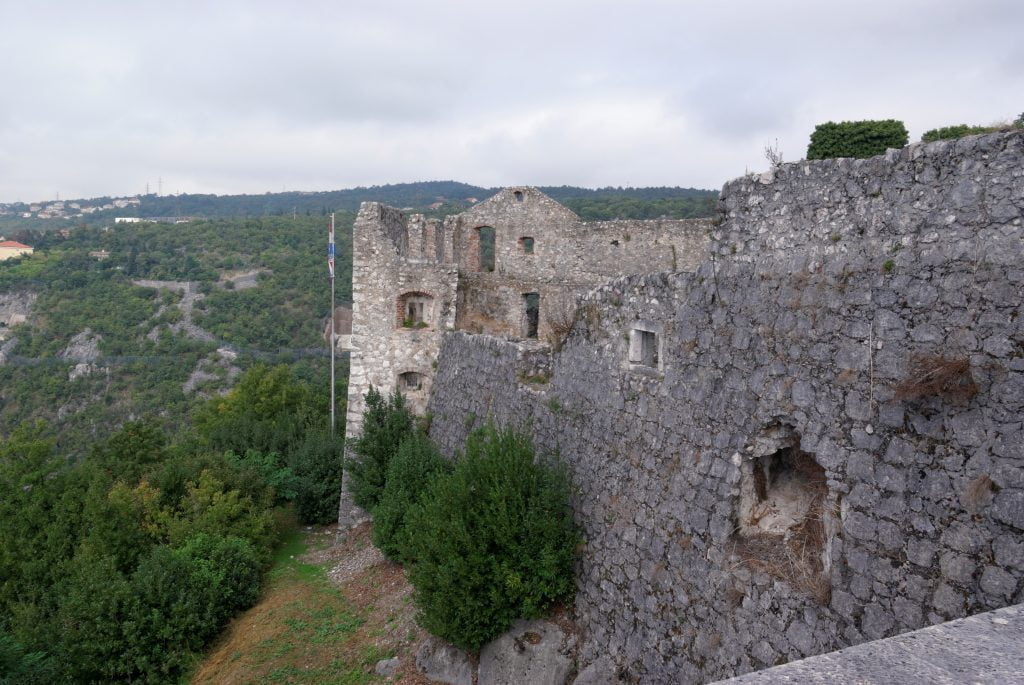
<point>535,652</point>
<point>83,349</point>
<point>444,663</point>
<point>207,370</point>
<point>7,349</point>
<point>189,296</point>
<point>16,307</point>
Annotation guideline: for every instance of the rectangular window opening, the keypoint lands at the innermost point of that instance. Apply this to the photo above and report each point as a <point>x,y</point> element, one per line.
<point>531,306</point>
<point>643,347</point>
<point>414,312</point>
<point>485,236</point>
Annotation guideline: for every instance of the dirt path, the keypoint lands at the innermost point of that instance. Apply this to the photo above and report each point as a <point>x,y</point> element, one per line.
<point>189,295</point>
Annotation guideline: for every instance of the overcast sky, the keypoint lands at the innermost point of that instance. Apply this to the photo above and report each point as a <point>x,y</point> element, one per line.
<point>99,98</point>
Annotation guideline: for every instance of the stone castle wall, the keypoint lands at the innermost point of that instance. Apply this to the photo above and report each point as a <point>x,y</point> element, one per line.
<point>682,402</point>
<point>398,258</point>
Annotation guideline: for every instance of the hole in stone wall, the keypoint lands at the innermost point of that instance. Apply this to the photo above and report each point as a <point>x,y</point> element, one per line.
<point>410,381</point>
<point>782,513</point>
<point>526,245</point>
<point>531,312</point>
<point>518,195</point>
<point>486,242</point>
<point>643,347</point>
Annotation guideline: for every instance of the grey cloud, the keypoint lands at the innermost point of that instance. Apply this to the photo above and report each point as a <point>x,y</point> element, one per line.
<point>249,95</point>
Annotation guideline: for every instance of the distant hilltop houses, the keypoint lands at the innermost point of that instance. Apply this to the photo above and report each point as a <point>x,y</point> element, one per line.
<point>12,248</point>
<point>153,219</point>
<point>64,210</point>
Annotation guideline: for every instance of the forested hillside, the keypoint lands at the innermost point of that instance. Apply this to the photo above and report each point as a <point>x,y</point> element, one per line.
<point>174,313</point>
<point>122,566</point>
<point>150,458</point>
<point>433,197</point>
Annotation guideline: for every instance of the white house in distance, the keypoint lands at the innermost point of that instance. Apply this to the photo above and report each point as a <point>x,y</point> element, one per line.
<point>11,248</point>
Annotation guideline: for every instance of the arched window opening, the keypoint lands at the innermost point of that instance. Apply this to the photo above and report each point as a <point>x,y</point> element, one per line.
<point>518,195</point>
<point>415,310</point>
<point>410,381</point>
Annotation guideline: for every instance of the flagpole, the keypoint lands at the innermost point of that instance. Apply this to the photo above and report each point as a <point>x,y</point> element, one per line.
<point>330,252</point>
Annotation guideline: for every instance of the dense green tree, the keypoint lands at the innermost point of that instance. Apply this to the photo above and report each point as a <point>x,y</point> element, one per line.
<point>386,423</point>
<point>279,425</point>
<point>20,667</point>
<point>409,474</point>
<point>492,542</point>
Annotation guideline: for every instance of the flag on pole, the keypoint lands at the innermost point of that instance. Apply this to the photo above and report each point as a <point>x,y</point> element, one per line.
<point>330,248</point>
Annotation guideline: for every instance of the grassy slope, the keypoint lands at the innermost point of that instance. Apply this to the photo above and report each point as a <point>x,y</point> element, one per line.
<point>328,614</point>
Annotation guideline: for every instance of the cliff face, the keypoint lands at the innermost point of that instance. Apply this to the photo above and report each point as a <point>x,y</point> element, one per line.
<point>15,307</point>
<point>814,440</point>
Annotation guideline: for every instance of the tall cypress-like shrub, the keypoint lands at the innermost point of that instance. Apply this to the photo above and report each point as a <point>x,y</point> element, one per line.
<point>493,542</point>
<point>409,474</point>
<point>856,138</point>
<point>386,422</point>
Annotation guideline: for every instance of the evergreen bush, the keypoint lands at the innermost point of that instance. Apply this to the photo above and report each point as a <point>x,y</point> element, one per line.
<point>409,474</point>
<point>492,542</point>
<point>227,565</point>
<point>950,132</point>
<point>20,667</point>
<point>856,138</point>
<point>171,614</point>
<point>317,464</point>
<point>961,130</point>
<point>386,422</point>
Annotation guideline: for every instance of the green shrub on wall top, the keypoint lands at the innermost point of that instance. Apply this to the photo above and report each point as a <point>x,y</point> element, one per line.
<point>856,138</point>
<point>949,132</point>
<point>492,542</point>
<point>961,130</point>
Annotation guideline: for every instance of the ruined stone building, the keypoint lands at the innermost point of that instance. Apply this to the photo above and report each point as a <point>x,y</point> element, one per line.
<point>804,434</point>
<point>512,265</point>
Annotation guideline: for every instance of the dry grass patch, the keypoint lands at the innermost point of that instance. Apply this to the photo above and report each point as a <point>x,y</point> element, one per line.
<point>937,375</point>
